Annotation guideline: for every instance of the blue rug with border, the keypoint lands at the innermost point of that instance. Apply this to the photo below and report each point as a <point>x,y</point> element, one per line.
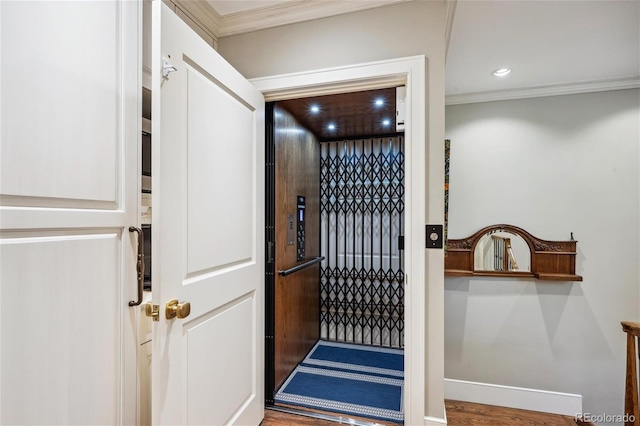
<point>351,379</point>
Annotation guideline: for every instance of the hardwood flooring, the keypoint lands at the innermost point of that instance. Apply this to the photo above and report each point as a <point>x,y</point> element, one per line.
<point>466,413</point>
<point>458,414</point>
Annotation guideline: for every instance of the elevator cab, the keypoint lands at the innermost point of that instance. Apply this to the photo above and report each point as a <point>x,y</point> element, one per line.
<point>334,242</point>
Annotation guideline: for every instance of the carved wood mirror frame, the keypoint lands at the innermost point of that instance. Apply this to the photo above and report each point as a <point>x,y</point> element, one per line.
<point>550,260</point>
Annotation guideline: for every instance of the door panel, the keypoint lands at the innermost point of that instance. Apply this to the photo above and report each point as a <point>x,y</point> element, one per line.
<point>297,296</point>
<point>208,171</point>
<point>220,130</point>
<point>69,190</point>
<point>75,90</point>
<point>65,357</point>
<point>230,365</point>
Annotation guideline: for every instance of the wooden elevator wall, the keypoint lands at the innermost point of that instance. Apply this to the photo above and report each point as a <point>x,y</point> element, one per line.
<point>297,296</point>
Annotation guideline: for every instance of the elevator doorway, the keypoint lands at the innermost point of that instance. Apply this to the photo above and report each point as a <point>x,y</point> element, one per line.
<point>334,234</point>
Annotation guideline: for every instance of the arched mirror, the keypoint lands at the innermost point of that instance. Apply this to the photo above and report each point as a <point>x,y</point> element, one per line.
<point>502,251</point>
<point>506,250</point>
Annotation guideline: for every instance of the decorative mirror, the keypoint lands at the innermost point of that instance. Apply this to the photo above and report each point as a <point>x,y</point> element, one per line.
<point>502,251</point>
<point>506,250</point>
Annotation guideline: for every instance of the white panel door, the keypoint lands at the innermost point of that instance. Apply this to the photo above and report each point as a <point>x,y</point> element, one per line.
<point>208,206</point>
<point>69,119</point>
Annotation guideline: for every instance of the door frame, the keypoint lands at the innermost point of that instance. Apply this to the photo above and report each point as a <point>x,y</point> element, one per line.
<point>411,72</point>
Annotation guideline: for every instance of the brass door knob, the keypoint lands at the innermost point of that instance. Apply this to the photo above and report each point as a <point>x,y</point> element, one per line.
<point>177,309</point>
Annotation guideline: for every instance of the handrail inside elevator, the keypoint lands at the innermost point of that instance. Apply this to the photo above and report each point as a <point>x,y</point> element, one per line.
<point>301,266</point>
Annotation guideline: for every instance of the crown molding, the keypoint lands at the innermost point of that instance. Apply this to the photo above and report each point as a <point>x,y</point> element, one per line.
<point>292,12</point>
<point>546,90</point>
<point>203,14</point>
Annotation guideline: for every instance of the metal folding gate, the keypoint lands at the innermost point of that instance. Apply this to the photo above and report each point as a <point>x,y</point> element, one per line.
<point>362,213</point>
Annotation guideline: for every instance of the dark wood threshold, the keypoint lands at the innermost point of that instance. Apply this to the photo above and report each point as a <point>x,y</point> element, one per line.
<point>306,415</point>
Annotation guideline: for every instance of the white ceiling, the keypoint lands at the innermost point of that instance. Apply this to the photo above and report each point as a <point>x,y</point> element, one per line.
<point>550,45</point>
<point>544,43</point>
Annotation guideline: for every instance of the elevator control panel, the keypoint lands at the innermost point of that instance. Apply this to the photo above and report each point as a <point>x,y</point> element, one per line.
<point>301,205</point>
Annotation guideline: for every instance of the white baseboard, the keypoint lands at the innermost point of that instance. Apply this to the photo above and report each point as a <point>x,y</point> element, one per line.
<point>434,421</point>
<point>513,397</point>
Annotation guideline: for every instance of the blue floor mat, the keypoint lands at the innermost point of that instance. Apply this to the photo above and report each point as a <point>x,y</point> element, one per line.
<point>351,379</point>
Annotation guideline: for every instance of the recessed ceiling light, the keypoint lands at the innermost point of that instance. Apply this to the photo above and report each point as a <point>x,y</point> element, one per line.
<point>331,126</point>
<point>501,72</point>
<point>386,122</point>
<point>379,102</point>
<point>314,109</point>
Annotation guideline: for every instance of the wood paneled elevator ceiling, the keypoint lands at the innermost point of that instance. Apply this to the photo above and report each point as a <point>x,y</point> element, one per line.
<point>359,114</point>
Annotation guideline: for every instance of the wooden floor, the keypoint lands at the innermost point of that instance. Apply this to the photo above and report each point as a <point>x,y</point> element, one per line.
<point>458,414</point>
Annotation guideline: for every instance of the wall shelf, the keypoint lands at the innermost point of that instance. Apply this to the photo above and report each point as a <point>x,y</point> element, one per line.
<point>550,260</point>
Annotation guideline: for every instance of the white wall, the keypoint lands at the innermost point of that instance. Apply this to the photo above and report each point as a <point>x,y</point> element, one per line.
<point>396,31</point>
<point>552,166</point>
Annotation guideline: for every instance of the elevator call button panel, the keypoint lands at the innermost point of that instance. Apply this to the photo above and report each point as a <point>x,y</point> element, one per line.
<point>301,205</point>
